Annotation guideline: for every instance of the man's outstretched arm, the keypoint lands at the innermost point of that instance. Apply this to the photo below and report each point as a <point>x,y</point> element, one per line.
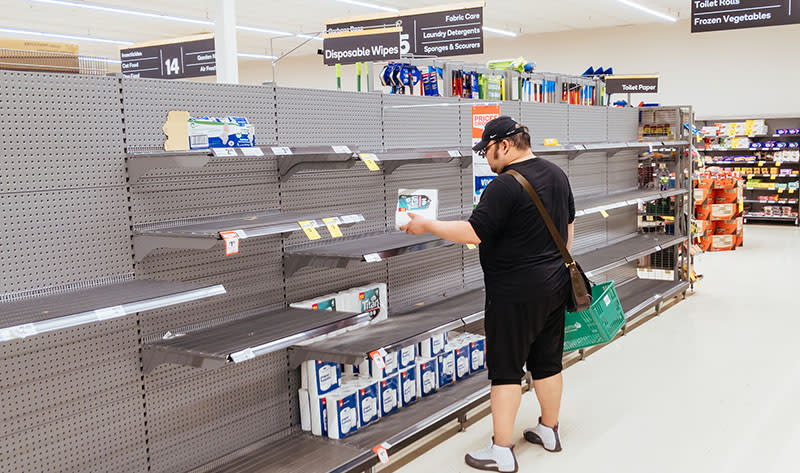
<point>455,231</point>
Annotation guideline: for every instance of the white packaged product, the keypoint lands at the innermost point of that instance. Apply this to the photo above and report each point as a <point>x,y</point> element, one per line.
<point>427,376</point>
<point>477,353</point>
<point>368,410</point>
<point>408,386</point>
<point>389,394</point>
<point>407,356</point>
<point>305,410</point>
<point>371,297</point>
<point>327,302</point>
<point>321,377</point>
<point>446,365</point>
<point>342,413</point>
<point>423,202</point>
<point>319,414</point>
<point>373,366</point>
<point>462,360</point>
<point>433,346</point>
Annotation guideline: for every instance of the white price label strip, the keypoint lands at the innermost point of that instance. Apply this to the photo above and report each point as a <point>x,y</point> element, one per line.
<point>252,151</point>
<point>341,150</point>
<point>372,258</point>
<point>454,153</point>
<point>240,233</point>
<point>109,312</point>
<point>382,451</point>
<point>24,331</point>
<point>244,355</point>
<point>231,242</point>
<point>281,150</point>
<point>377,356</point>
<point>223,152</point>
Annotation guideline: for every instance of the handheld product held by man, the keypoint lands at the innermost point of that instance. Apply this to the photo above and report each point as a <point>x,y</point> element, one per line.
<point>528,285</point>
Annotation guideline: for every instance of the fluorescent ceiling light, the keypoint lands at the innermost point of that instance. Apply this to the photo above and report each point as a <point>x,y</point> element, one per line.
<point>369,5</point>
<point>125,11</point>
<point>109,61</point>
<point>306,36</point>
<point>63,36</point>
<point>500,32</point>
<point>256,56</point>
<point>648,10</point>
<point>264,30</point>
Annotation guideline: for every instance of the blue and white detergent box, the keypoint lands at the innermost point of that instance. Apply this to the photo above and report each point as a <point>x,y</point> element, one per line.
<point>433,346</point>
<point>408,386</point>
<point>342,413</point>
<point>220,132</point>
<point>380,369</point>
<point>367,391</point>
<point>477,353</point>
<point>318,408</point>
<point>427,376</point>
<point>446,365</point>
<point>460,349</point>
<point>320,377</point>
<point>389,394</point>
<point>370,298</point>
<point>406,357</point>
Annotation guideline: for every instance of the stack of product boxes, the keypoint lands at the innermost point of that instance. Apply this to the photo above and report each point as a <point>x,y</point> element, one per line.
<point>734,135</point>
<point>336,405</point>
<point>718,211</point>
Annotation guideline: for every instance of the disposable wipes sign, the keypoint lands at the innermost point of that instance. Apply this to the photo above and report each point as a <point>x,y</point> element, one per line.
<point>423,202</point>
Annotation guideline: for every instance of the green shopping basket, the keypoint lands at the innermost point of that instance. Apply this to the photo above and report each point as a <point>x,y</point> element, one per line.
<point>596,325</point>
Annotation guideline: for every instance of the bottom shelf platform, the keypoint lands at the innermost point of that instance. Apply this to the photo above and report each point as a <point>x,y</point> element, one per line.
<point>638,295</point>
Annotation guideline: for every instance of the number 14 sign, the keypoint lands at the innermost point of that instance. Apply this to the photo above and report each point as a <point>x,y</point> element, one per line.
<point>173,59</point>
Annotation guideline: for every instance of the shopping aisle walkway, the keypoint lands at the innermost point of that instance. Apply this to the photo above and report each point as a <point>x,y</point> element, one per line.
<point>711,385</point>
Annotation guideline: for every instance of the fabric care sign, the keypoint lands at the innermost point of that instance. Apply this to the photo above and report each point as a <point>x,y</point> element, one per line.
<point>362,46</point>
<point>194,56</point>
<point>482,174</point>
<point>717,15</point>
<point>446,30</point>
<point>631,84</point>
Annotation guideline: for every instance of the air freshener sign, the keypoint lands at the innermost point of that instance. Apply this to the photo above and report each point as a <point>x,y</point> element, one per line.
<point>482,174</point>
<point>717,15</point>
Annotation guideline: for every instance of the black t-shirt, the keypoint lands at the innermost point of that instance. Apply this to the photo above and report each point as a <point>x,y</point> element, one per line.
<point>520,260</point>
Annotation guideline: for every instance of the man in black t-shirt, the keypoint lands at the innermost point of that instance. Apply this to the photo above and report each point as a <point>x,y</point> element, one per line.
<point>527,285</point>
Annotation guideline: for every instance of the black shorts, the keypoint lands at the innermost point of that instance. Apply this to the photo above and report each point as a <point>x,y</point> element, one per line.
<point>525,332</point>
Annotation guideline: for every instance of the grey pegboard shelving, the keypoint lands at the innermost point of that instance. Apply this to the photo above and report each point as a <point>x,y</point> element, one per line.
<point>29,317</point>
<point>390,160</point>
<point>246,338</point>
<point>599,260</point>
<point>398,331</point>
<point>363,249</point>
<point>205,234</point>
<point>594,204</point>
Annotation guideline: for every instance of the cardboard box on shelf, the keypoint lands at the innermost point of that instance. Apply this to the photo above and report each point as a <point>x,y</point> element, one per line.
<point>342,407</point>
<point>372,297</point>
<point>446,365</point>
<point>723,242</point>
<point>319,414</point>
<point>408,386</point>
<point>726,227</point>
<point>389,394</point>
<point>427,376</point>
<point>431,347</point>
<point>724,211</point>
<point>407,356</point>
<point>320,377</point>
<point>477,353</point>
<point>701,196</point>
<point>327,302</point>
<point>368,411</point>
<point>726,196</point>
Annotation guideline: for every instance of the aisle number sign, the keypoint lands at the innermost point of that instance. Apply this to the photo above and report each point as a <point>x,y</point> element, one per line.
<point>482,174</point>
<point>193,56</point>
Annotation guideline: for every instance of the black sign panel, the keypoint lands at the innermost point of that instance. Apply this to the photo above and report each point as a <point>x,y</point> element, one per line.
<point>442,33</point>
<point>171,61</point>
<point>369,46</point>
<point>716,15</point>
<point>632,84</point>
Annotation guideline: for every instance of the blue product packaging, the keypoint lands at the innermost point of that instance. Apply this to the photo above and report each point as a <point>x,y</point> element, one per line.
<point>390,366</point>
<point>426,376</point>
<point>389,394</point>
<point>446,365</point>
<point>461,353</point>
<point>220,132</point>
<point>408,386</point>
<point>368,411</point>
<point>431,347</point>
<point>320,377</point>
<point>319,415</point>
<point>477,354</point>
<point>407,357</point>
<point>342,413</point>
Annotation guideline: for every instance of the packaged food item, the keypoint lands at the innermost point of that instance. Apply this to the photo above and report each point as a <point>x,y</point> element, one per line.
<point>423,202</point>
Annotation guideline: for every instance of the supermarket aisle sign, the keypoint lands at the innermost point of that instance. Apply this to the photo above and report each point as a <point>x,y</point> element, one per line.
<point>718,15</point>
<point>447,30</point>
<point>193,56</point>
<point>362,46</point>
<point>482,174</point>
<point>632,84</point>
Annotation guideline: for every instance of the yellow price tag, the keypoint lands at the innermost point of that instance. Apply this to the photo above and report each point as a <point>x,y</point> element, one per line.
<point>370,160</point>
<point>773,176</point>
<point>731,130</point>
<point>780,190</point>
<point>778,163</point>
<point>308,228</point>
<point>470,246</point>
<point>741,206</point>
<point>791,191</point>
<point>603,213</point>
<point>551,142</point>
<point>761,164</point>
<point>333,226</point>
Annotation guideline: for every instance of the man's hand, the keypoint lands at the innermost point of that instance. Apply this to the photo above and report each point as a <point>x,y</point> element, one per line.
<point>417,226</point>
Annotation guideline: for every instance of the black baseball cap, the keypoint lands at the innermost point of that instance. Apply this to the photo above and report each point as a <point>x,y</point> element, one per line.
<point>497,129</point>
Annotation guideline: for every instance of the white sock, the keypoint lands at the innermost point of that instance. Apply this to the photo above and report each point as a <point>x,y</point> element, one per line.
<point>547,435</point>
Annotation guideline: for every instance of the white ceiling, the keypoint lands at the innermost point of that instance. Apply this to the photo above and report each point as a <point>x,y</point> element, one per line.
<point>296,16</point>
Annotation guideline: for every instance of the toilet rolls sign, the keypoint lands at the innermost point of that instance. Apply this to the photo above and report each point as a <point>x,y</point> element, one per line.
<point>717,15</point>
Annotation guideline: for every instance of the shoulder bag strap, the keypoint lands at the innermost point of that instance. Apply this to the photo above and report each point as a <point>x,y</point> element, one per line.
<point>545,216</point>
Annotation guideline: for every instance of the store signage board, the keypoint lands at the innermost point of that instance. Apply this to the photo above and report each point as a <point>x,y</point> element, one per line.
<point>447,30</point>
<point>175,59</point>
<point>718,15</point>
<point>482,173</point>
<point>632,84</point>
<point>362,46</point>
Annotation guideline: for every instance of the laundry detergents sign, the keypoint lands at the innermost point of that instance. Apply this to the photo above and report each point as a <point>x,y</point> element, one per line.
<point>482,174</point>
